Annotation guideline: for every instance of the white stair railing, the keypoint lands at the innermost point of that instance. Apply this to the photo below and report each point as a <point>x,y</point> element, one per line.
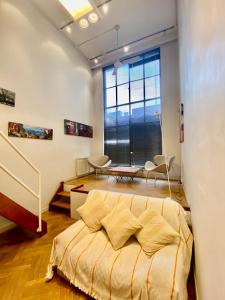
<point>36,195</point>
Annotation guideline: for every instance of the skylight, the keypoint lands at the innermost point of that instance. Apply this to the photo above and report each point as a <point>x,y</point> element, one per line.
<point>77,8</point>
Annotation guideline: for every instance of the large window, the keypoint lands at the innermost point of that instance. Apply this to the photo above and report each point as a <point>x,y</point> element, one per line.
<point>132,97</point>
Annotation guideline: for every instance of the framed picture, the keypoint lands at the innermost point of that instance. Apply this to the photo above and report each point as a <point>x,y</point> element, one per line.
<point>7,97</point>
<point>26,131</point>
<point>77,129</point>
<point>182,133</point>
<point>85,130</point>
<point>181,110</point>
<point>70,127</point>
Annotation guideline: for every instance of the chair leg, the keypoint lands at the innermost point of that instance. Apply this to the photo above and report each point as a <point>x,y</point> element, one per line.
<point>147,176</point>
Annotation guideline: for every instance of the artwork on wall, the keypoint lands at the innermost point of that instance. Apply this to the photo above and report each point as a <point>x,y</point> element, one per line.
<point>70,127</point>
<point>181,123</point>
<point>77,129</point>
<point>7,97</point>
<point>26,131</point>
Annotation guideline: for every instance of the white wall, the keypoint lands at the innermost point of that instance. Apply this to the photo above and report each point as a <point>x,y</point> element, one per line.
<point>202,62</point>
<point>98,111</point>
<point>170,103</point>
<point>52,81</point>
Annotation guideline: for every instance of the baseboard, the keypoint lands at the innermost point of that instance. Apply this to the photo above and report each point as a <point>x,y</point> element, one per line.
<point>44,209</point>
<point>79,176</point>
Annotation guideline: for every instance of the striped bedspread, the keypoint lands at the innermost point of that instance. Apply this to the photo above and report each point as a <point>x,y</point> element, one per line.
<point>90,263</point>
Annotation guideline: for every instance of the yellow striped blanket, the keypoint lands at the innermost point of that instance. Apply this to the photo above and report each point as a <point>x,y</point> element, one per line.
<point>89,262</point>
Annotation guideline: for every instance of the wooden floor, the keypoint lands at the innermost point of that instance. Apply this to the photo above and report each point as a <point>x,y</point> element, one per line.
<point>137,186</point>
<point>23,263</point>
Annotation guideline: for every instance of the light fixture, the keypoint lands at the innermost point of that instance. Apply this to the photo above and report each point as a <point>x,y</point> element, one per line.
<point>77,8</point>
<point>105,8</point>
<point>68,29</point>
<point>96,61</point>
<point>83,23</point>
<point>126,48</point>
<point>93,17</point>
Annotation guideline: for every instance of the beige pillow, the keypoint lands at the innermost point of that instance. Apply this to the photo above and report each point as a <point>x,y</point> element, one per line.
<point>120,224</point>
<point>92,211</point>
<point>156,232</point>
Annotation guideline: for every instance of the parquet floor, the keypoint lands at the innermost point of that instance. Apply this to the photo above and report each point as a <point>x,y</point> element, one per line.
<point>23,263</point>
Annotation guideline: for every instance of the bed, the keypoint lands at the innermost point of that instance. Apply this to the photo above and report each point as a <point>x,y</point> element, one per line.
<point>89,262</point>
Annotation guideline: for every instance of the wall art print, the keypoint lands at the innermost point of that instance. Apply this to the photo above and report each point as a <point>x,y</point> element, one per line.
<point>7,97</point>
<point>77,129</point>
<point>27,131</point>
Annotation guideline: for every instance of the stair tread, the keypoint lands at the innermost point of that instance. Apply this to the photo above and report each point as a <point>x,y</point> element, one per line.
<point>61,204</point>
<point>64,194</point>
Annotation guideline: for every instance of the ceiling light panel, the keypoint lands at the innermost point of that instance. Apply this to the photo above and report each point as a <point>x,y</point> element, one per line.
<point>93,17</point>
<point>83,23</point>
<point>77,8</point>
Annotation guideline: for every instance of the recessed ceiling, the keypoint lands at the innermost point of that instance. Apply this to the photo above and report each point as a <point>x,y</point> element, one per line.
<point>137,19</point>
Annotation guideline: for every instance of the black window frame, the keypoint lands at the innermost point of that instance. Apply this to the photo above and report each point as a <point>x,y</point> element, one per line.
<point>146,57</point>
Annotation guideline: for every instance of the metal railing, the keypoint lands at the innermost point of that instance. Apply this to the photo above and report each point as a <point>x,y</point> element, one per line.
<point>36,195</point>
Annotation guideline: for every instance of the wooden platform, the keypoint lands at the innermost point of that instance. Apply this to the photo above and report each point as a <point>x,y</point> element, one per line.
<point>137,186</point>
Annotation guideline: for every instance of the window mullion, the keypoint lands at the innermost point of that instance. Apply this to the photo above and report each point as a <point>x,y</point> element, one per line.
<point>130,136</point>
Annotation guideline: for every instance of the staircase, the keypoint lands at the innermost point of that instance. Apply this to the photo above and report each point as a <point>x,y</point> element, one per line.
<point>19,215</point>
<point>11,210</point>
<point>61,199</point>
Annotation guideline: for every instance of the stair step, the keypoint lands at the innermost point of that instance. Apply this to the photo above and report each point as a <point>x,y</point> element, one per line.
<point>61,204</point>
<point>64,194</point>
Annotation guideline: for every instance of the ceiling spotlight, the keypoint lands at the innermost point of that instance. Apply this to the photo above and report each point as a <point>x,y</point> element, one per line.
<point>68,29</point>
<point>83,23</point>
<point>126,48</point>
<point>93,17</point>
<point>96,61</point>
<point>105,8</point>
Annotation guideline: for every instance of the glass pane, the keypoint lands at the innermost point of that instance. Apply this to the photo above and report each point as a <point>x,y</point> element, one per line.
<point>111,143</point>
<point>137,112</point>
<point>110,79</point>
<point>151,108</point>
<point>152,87</point>
<point>123,74</point>
<point>136,72</point>
<point>136,91</point>
<point>111,97</point>
<point>138,143</point>
<point>153,140</point>
<point>123,94</point>
<point>110,136</point>
<point>152,68</point>
<point>110,117</point>
<point>123,115</point>
<point>123,145</point>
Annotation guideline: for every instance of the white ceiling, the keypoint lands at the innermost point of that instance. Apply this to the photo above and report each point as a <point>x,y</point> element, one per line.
<point>137,19</point>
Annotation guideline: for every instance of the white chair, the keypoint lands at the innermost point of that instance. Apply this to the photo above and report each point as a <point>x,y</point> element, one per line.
<point>99,163</point>
<point>160,165</point>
